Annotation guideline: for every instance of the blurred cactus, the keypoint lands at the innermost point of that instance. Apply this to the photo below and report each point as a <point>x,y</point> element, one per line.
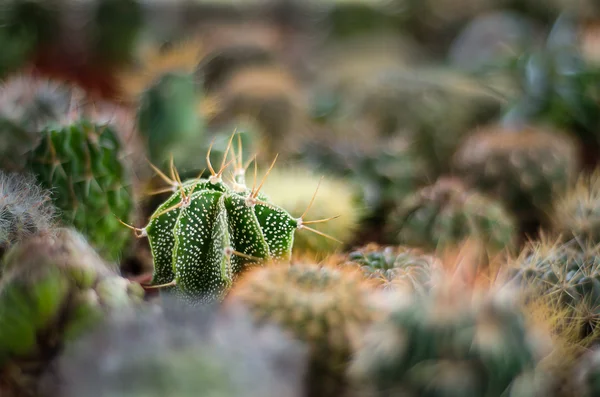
<point>25,26</point>
<point>81,163</point>
<point>447,344</point>
<point>348,18</point>
<point>383,170</point>
<point>27,105</point>
<point>52,291</point>
<point>524,168</point>
<point>168,94</point>
<point>396,267</point>
<point>116,27</point>
<point>325,307</point>
<point>208,232</point>
<point>566,276</point>
<point>271,97</point>
<point>25,210</point>
<point>447,213</point>
<point>294,189</point>
<point>577,212</point>
<point>170,351</point>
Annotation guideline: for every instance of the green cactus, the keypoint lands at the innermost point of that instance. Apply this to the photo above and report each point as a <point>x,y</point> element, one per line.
<point>81,164</point>
<point>117,25</point>
<point>321,306</point>
<point>208,232</point>
<point>524,168</point>
<point>27,105</point>
<point>25,210</point>
<point>168,116</point>
<point>450,343</point>
<point>565,276</point>
<point>577,212</point>
<point>54,288</point>
<point>447,213</point>
<point>293,189</point>
<point>396,267</point>
<point>349,18</point>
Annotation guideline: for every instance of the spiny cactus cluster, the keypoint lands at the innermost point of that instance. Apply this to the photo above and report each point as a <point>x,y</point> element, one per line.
<point>446,213</point>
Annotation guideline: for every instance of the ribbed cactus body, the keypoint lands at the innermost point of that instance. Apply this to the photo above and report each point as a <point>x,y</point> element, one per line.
<point>53,289</point>
<point>321,306</point>
<point>396,267</point>
<point>587,375</point>
<point>195,235</point>
<point>525,168</point>
<point>81,164</point>
<point>447,213</point>
<point>446,346</point>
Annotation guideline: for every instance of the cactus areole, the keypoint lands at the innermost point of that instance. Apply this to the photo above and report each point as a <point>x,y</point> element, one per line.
<point>208,231</point>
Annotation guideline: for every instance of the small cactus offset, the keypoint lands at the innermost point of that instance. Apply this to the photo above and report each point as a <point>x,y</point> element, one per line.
<point>447,344</point>
<point>81,163</point>
<point>565,276</point>
<point>396,267</point>
<point>325,307</point>
<point>208,232</point>
<point>447,213</point>
<point>525,168</point>
<point>26,210</point>
<point>54,288</point>
<point>577,212</point>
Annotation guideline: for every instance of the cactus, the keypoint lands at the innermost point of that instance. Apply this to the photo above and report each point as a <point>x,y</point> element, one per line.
<point>27,105</point>
<point>168,94</point>
<point>446,213</point>
<point>576,213</point>
<point>291,188</point>
<point>80,163</point>
<point>25,210</point>
<point>271,97</point>
<point>450,343</point>
<point>525,168</point>
<point>383,171</point>
<point>396,267</point>
<point>117,24</point>
<point>170,351</point>
<point>565,276</point>
<point>208,232</point>
<point>349,18</point>
<point>54,288</point>
<point>321,306</point>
